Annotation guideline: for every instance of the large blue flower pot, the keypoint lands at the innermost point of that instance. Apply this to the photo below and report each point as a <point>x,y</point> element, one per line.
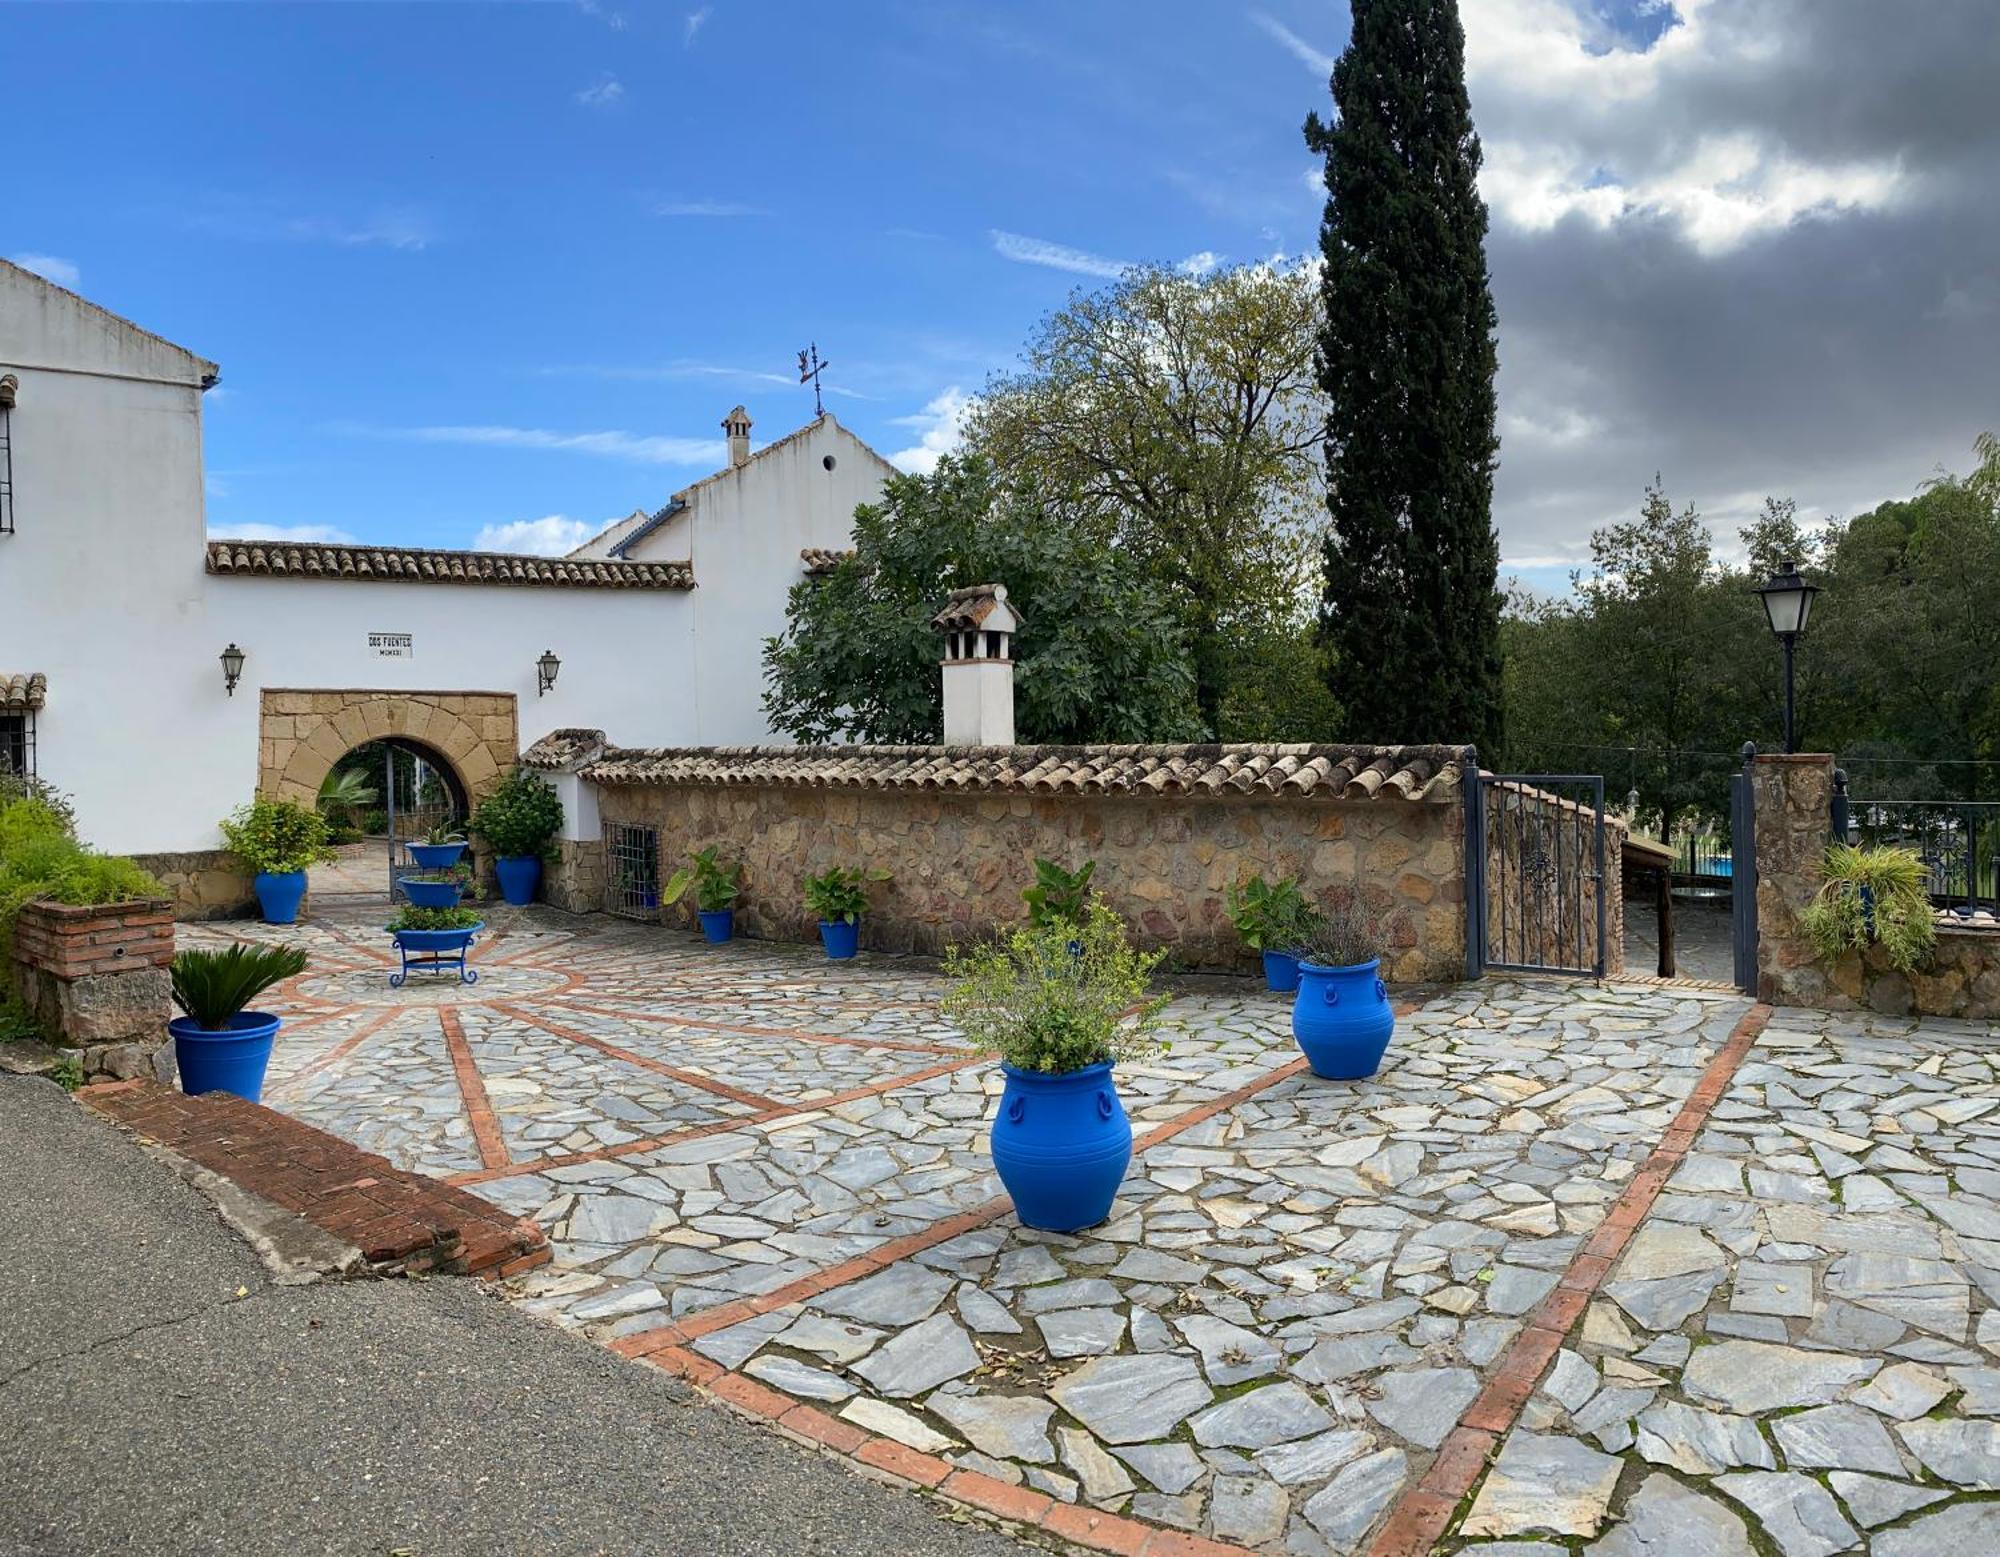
<point>519,875</point>
<point>1342,1019</point>
<point>432,894</point>
<point>279,893</point>
<point>717,924</point>
<point>841,937</point>
<point>436,856</point>
<point>1281,972</point>
<point>1061,1145</point>
<point>232,1060</point>
<point>436,951</point>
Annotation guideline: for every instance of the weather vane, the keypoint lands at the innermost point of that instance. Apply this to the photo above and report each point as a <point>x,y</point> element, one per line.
<point>810,368</point>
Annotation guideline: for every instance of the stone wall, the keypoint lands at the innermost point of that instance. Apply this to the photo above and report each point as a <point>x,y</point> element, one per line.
<point>573,879</point>
<point>960,861</point>
<point>205,883</point>
<point>302,733</point>
<point>95,980</point>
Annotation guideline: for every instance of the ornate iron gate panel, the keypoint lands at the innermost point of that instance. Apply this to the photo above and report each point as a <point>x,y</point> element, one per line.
<point>417,800</point>
<point>1536,873</point>
<point>1743,879</point>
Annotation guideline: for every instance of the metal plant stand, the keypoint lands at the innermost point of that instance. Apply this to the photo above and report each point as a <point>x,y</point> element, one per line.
<point>439,951</point>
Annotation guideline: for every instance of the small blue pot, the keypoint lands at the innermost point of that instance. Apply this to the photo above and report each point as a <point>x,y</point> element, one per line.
<point>436,856</point>
<point>519,875</point>
<point>232,1060</point>
<point>1281,972</point>
<point>279,893</point>
<point>841,937</point>
<point>432,894</point>
<point>1342,1019</point>
<point>1061,1145</point>
<point>717,924</point>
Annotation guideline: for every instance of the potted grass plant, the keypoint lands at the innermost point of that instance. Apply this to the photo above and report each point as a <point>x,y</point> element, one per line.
<point>1273,918</point>
<point>1060,1004</point>
<point>1341,1016</point>
<point>1875,895</point>
<point>519,818</point>
<point>716,886</point>
<point>279,840</point>
<point>218,1044</point>
<point>839,895</point>
<point>442,845</point>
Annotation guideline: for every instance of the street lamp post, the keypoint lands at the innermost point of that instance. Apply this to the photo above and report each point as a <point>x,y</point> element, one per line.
<point>1788,601</point>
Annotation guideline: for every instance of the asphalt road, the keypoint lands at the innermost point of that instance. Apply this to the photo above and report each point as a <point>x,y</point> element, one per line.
<point>160,1394</point>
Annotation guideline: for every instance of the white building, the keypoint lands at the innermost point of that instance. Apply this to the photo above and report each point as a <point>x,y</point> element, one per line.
<point>116,607</point>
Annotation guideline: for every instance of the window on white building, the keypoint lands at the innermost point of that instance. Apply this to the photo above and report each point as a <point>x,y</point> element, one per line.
<point>17,743</point>
<point>7,388</point>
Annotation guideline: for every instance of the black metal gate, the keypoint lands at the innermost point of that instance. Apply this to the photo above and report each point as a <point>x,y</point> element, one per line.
<point>1535,872</point>
<point>1743,875</point>
<point>418,797</point>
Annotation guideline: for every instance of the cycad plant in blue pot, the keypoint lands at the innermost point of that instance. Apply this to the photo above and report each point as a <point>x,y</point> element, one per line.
<point>838,895</point>
<point>1273,918</point>
<point>279,840</point>
<point>716,885</point>
<point>1060,1004</point>
<point>1341,1016</point>
<point>218,1045</point>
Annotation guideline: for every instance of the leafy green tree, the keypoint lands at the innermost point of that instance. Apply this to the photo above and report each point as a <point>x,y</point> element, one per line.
<point>1100,657</point>
<point>1407,360</point>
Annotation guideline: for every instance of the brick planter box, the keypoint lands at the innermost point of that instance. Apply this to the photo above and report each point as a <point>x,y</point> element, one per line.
<point>95,979</point>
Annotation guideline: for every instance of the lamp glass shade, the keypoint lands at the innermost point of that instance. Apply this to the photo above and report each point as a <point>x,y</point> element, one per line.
<point>1787,601</point>
<point>232,664</point>
<point>548,665</point>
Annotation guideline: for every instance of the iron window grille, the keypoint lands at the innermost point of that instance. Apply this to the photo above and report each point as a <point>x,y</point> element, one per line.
<point>17,743</point>
<point>6,464</point>
<point>632,864</point>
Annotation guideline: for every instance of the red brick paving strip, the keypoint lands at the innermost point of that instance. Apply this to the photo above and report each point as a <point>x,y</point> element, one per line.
<point>398,1220</point>
<point>1422,1514</point>
<point>472,1088</point>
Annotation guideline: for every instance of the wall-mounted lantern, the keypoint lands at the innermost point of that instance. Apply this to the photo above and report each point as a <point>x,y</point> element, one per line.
<point>545,671</point>
<point>232,668</point>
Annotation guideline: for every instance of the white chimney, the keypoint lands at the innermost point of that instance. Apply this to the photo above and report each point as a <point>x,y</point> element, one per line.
<point>978,627</point>
<point>737,425</point>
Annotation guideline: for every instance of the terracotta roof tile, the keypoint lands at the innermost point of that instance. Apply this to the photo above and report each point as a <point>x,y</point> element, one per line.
<point>822,560</point>
<point>1428,773</point>
<point>22,694</point>
<point>969,607</point>
<point>377,564</point>
<point>561,749</point>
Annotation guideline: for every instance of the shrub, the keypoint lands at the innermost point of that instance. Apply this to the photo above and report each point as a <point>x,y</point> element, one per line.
<point>1057,997</point>
<point>1058,896</point>
<point>1272,916</point>
<point>40,858</point>
<point>414,918</point>
<point>716,885</point>
<point>25,786</point>
<point>840,895</point>
<point>519,817</point>
<point>1341,939</point>
<point>1877,893</point>
<point>278,836</point>
<point>213,986</point>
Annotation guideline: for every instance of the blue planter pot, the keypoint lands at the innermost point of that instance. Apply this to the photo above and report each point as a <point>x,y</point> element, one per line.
<point>1342,1019</point>
<point>841,937</point>
<point>279,893</point>
<point>1281,972</point>
<point>717,924</point>
<point>432,894</point>
<point>1061,1145</point>
<point>435,951</point>
<point>232,1060</point>
<point>519,875</point>
<point>436,856</point>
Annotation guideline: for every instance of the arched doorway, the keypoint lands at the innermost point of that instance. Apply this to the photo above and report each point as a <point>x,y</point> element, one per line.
<point>378,797</point>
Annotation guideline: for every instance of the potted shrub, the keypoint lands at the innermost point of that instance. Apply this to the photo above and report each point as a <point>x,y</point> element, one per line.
<point>1060,1004</point>
<point>439,888</point>
<point>441,936</point>
<point>838,895</point>
<point>716,888</point>
<point>1058,896</point>
<point>442,845</point>
<point>1341,1017</point>
<point>220,1046</point>
<point>1273,918</point>
<point>519,819</point>
<point>279,840</point>
<point>1874,895</point>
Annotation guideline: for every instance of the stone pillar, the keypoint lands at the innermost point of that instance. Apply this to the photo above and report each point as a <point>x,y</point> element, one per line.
<point>1794,799</point>
<point>95,980</point>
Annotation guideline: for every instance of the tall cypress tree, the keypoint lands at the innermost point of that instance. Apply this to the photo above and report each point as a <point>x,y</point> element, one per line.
<point>1411,605</point>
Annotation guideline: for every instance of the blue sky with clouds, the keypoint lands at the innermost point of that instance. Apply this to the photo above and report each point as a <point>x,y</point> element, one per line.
<point>472,267</point>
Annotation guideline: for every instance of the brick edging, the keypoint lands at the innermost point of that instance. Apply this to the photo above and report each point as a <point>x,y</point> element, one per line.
<point>1422,1514</point>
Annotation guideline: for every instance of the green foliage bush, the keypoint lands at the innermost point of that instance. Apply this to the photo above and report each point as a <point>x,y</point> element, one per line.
<point>716,885</point>
<point>25,786</point>
<point>840,894</point>
<point>520,816</point>
<point>1057,997</point>
<point>1058,896</point>
<point>414,918</point>
<point>40,858</point>
<point>278,836</point>
<point>1271,916</point>
<point>1873,894</point>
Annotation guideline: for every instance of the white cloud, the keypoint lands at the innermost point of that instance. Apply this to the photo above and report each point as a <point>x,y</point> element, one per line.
<point>1057,256</point>
<point>1318,61</point>
<point>64,273</point>
<point>1200,264</point>
<point>554,535</point>
<point>608,93</point>
<point>392,227</point>
<point>707,208</point>
<point>644,450</point>
<point>298,534</point>
<point>941,425</point>
<point>695,22</point>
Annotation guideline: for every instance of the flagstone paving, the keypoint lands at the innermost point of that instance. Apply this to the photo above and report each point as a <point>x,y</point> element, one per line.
<point>1303,1285</point>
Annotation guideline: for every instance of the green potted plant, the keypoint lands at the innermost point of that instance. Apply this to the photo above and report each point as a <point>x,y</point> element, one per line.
<point>1875,894</point>
<point>519,818</point>
<point>279,840</point>
<point>441,936</point>
<point>1058,896</point>
<point>218,1044</point>
<point>839,895</point>
<point>1060,1004</point>
<point>1273,918</point>
<point>443,843</point>
<point>716,887</point>
<point>1341,1016</point>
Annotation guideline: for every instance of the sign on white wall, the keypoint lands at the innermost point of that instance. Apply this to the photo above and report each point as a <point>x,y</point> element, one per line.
<point>393,646</point>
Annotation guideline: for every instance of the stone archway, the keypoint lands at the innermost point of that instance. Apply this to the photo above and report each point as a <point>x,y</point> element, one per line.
<point>303,733</point>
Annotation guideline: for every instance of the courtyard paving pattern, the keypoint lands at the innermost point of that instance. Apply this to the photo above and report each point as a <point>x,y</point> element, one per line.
<point>769,1173</point>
